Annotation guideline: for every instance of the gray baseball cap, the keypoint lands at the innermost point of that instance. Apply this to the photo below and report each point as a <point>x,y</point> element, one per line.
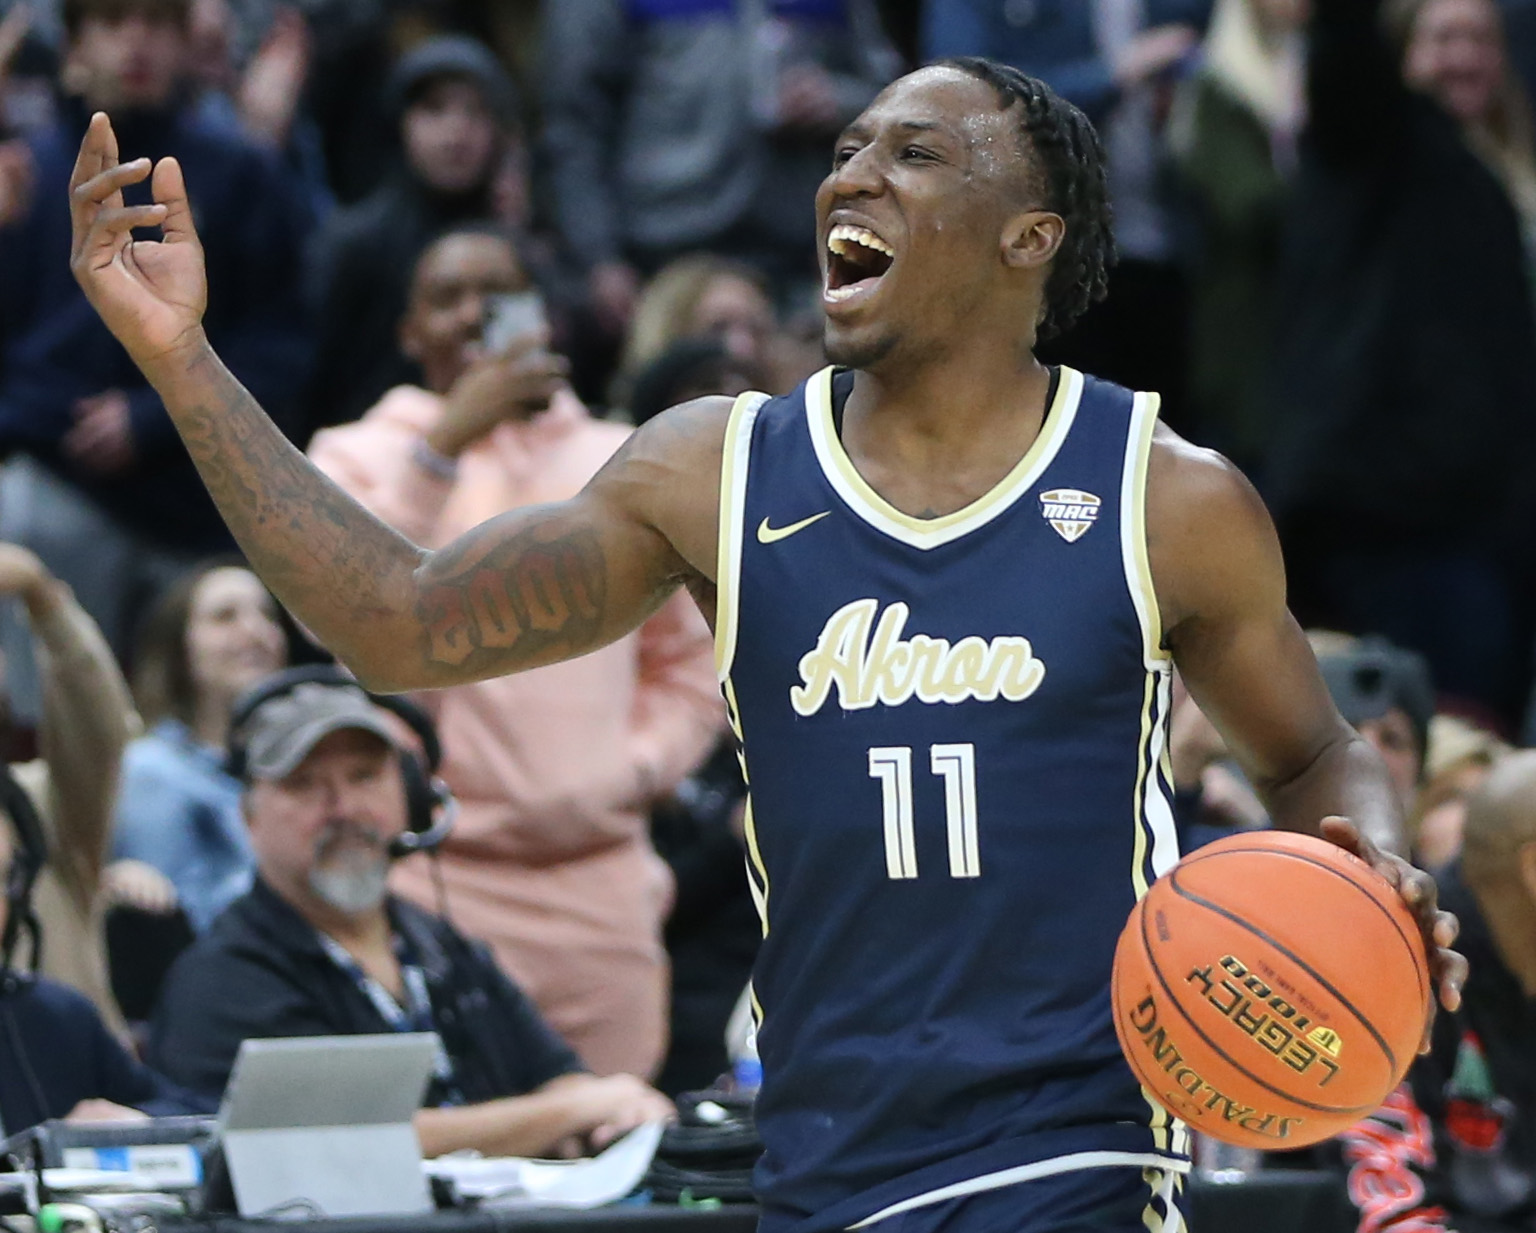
<point>282,731</point>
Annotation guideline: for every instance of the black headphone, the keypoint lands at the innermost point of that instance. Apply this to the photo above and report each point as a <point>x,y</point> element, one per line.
<point>430,807</point>
<point>27,861</point>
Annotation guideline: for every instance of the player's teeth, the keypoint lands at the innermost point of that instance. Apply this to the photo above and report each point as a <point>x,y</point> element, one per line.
<point>844,234</point>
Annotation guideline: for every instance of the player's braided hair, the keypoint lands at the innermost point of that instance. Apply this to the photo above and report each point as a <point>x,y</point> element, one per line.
<point>1069,162</point>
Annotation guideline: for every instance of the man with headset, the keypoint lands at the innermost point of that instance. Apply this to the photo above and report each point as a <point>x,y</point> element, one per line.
<point>319,947</point>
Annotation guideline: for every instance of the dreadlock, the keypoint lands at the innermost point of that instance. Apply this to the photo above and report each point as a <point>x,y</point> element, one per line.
<point>1069,165</point>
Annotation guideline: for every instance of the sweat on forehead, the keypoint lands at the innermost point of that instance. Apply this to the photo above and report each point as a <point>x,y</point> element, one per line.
<point>983,118</point>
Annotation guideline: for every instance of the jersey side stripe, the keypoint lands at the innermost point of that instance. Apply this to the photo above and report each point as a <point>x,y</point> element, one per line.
<point>1159,1116</point>
<point>1162,1213</point>
<point>757,871</point>
<point>1156,845</point>
<point>1157,801</point>
<point>734,457</point>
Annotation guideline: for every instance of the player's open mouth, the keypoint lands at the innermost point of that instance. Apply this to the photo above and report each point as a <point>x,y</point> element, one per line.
<point>856,261</point>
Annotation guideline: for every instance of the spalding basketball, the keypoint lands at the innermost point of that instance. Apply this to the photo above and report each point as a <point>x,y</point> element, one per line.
<point>1270,989</point>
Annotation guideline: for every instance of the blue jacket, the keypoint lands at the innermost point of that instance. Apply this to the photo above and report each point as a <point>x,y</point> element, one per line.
<point>54,350</point>
<point>178,810</point>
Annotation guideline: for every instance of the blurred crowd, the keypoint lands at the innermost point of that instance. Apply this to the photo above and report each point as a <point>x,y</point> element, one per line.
<point>457,248</point>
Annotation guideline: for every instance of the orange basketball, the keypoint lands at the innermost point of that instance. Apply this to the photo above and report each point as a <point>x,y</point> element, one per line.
<point>1270,989</point>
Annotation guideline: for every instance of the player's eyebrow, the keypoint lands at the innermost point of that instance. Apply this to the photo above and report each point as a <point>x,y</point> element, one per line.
<point>860,131</point>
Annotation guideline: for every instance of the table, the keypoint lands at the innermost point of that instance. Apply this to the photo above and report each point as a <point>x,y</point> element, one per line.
<point>1281,1201</point>
<point>658,1218</point>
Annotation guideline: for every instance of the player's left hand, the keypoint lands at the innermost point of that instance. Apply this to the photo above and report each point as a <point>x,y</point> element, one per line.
<point>1447,968</point>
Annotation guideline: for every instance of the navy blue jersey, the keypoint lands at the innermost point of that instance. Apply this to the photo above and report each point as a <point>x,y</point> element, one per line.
<point>954,735</point>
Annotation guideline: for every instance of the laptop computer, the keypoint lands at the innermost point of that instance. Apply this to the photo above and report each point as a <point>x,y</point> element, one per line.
<point>321,1125</point>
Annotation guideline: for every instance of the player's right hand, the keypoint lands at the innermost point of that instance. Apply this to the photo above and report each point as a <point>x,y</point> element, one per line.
<point>150,293</point>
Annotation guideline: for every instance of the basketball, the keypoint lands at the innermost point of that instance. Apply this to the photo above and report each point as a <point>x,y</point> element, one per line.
<point>1271,989</point>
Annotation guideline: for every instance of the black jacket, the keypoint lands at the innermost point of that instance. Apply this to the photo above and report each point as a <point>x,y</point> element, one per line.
<point>55,1052</point>
<point>260,971</point>
<point>1405,344</point>
<point>359,284</point>
<point>55,350</point>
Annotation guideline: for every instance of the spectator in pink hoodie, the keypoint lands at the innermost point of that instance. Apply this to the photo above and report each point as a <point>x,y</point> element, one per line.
<point>556,769</point>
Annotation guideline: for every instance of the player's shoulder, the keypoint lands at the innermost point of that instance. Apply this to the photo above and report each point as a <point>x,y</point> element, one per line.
<point>1209,534</point>
<point>1188,483</point>
<point>667,476</point>
<point>688,435</point>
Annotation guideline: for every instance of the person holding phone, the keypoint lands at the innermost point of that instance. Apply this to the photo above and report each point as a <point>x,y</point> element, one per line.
<point>555,770</point>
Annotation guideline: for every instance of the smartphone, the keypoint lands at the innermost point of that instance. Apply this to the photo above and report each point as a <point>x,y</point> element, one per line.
<point>510,317</point>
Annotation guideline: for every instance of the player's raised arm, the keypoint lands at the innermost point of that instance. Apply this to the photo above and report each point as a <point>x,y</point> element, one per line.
<point>527,588</point>
<point>1221,590</point>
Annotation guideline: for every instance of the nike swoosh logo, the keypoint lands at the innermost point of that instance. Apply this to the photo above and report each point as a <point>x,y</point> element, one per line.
<point>772,535</point>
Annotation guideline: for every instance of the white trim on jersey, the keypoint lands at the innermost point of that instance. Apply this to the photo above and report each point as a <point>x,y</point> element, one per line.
<point>730,526</point>
<point>927,533</point>
<point>1029,1173</point>
<point>1133,527</point>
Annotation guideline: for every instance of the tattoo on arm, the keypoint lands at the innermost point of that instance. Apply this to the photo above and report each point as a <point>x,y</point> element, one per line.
<point>340,570</point>
<point>535,595</point>
<point>527,588</point>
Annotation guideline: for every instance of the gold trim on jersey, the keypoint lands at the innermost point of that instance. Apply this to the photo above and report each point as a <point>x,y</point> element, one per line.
<point>730,524</point>
<point>1133,527</point>
<point>932,532</point>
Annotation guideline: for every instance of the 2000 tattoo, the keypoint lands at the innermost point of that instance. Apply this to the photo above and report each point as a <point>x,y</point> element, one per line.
<point>549,595</point>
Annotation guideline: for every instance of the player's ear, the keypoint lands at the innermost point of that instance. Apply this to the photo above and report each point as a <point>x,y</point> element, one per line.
<point>1031,238</point>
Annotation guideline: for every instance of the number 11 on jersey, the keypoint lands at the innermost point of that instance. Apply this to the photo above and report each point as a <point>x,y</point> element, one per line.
<point>956,764</point>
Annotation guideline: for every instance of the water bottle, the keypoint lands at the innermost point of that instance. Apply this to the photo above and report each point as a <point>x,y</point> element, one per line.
<point>746,1067</point>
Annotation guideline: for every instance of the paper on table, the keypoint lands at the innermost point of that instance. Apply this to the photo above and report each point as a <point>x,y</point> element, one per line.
<point>512,1181</point>
<point>97,1179</point>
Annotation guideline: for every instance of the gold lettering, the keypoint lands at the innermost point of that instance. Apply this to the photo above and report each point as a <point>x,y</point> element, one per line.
<point>837,659</point>
<point>967,669</point>
<point>929,657</point>
<point>870,662</point>
<point>886,677</point>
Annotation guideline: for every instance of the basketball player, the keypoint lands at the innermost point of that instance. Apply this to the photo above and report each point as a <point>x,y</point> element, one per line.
<point>948,587</point>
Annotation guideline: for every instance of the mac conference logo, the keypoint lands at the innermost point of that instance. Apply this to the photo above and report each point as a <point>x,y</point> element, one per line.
<point>1071,511</point>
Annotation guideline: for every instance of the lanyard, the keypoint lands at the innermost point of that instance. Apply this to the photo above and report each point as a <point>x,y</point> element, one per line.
<point>414,1016</point>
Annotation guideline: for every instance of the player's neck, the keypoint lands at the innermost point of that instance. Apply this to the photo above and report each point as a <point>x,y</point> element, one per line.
<point>949,409</point>
<point>983,385</point>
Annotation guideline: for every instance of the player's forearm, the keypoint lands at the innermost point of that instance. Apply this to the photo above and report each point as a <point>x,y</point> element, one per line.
<point>1347,779</point>
<point>347,576</point>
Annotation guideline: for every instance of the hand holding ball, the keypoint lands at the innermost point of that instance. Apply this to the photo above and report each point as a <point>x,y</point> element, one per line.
<point>1270,990</point>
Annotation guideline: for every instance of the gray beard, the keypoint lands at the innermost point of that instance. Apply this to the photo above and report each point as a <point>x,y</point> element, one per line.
<point>353,889</point>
